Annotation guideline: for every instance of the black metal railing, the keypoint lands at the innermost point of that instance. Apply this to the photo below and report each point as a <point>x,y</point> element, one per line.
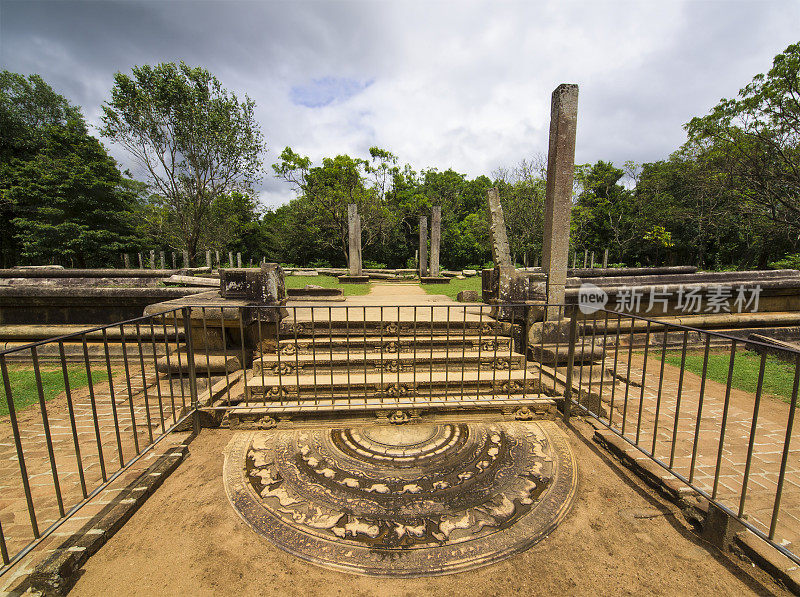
<point>81,410</point>
<point>654,384</point>
<point>685,404</point>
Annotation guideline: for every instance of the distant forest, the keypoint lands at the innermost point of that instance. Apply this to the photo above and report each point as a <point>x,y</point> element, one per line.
<point>728,198</point>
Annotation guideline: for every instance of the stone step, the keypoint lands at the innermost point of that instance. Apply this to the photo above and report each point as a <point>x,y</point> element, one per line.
<point>205,361</point>
<point>389,345</point>
<point>371,361</point>
<point>391,385</point>
<point>533,406</point>
<point>354,327</point>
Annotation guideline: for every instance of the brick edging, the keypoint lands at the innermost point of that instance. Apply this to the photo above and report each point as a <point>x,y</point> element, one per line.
<point>57,573</point>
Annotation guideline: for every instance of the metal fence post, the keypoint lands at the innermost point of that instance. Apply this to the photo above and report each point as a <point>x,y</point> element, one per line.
<point>186,314</point>
<point>573,338</point>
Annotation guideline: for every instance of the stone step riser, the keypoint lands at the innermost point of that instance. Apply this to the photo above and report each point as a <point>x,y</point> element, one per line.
<point>391,329</point>
<point>390,346</point>
<point>389,390</point>
<point>406,364</point>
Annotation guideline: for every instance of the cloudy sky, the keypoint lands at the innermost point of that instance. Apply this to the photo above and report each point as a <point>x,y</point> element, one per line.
<point>462,85</point>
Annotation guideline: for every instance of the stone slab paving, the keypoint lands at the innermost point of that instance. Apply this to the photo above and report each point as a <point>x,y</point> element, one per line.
<point>639,413</point>
<point>141,416</point>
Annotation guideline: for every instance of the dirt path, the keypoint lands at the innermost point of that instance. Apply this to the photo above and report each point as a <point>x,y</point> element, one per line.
<point>618,540</point>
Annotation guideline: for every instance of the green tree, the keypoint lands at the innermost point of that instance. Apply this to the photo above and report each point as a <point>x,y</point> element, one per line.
<point>195,139</point>
<point>327,190</point>
<point>62,197</point>
<point>756,139</point>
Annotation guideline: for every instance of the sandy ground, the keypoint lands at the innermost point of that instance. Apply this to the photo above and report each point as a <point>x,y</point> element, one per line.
<point>618,540</point>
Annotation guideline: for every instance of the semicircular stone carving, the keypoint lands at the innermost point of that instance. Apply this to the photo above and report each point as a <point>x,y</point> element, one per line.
<point>412,500</point>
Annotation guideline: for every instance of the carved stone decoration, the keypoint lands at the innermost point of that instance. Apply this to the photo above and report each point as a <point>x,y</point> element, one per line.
<point>396,390</point>
<point>523,413</point>
<point>511,387</point>
<point>391,366</point>
<point>390,328</point>
<point>282,368</point>
<point>391,347</point>
<point>403,500</point>
<point>501,364</point>
<point>289,350</point>
<point>266,422</point>
<point>398,417</point>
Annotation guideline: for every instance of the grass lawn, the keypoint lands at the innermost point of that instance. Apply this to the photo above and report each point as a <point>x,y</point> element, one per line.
<point>778,375</point>
<point>327,282</point>
<point>455,286</point>
<point>23,384</point>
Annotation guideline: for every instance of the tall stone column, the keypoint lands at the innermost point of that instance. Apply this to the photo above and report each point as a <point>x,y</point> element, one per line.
<point>501,254</point>
<point>423,246</point>
<point>558,192</point>
<point>354,239</point>
<point>436,235</point>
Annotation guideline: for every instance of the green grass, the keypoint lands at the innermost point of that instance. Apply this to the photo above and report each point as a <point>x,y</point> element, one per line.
<point>23,384</point>
<point>455,286</point>
<point>327,282</point>
<point>778,375</point>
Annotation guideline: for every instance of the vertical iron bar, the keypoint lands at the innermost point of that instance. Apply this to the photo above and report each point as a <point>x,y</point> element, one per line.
<point>414,358</point>
<point>699,409</point>
<point>573,339</point>
<point>169,363</point>
<point>347,340</point>
<point>314,355</point>
<point>192,373</point>
<point>510,349</point>
<point>430,364</point>
<point>243,342</point>
<point>380,331</point>
<point>614,381</point>
<point>603,362</point>
<point>524,347</point>
<point>753,429</point>
<point>261,356</point>
<point>3,549</point>
<point>364,318</point>
<point>71,411</point>
<point>93,404</point>
<point>130,392</point>
<point>628,378</point>
<point>480,346</point>
<point>660,387</point>
<point>678,401</point>
<point>446,354</point>
<point>113,399</point>
<point>591,361</point>
<point>23,469</point>
<point>144,383</point>
<point>46,424</point>
<point>187,330</point>
<point>225,352</point>
<point>296,348</point>
<point>785,456</point>
<point>644,382</point>
<point>463,349</point>
<point>561,314</point>
<point>207,347</point>
<point>724,423</point>
<point>158,378</point>
<point>330,346</point>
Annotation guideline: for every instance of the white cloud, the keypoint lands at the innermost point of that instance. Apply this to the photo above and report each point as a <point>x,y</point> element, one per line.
<point>453,84</point>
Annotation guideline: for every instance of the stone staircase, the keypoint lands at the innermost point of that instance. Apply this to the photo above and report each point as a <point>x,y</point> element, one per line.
<point>371,365</point>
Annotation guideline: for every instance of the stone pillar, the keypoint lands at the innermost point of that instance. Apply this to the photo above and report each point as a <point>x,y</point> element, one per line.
<point>591,260</point>
<point>208,258</point>
<point>238,260</point>
<point>423,246</point>
<point>605,258</point>
<point>354,240</point>
<point>230,258</point>
<point>185,258</point>
<point>162,261</point>
<point>501,255</point>
<point>558,192</point>
<point>174,264</point>
<point>216,254</point>
<point>436,235</point>
<point>585,258</point>
<point>127,261</point>
<point>152,259</point>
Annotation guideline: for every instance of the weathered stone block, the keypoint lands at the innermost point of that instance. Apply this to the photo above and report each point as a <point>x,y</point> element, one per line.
<point>263,286</point>
<point>468,296</point>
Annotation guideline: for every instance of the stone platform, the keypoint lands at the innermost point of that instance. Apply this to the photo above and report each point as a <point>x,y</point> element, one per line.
<point>403,501</point>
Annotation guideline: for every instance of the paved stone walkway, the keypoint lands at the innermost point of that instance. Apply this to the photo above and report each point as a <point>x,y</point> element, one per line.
<point>639,417</point>
<point>150,407</point>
